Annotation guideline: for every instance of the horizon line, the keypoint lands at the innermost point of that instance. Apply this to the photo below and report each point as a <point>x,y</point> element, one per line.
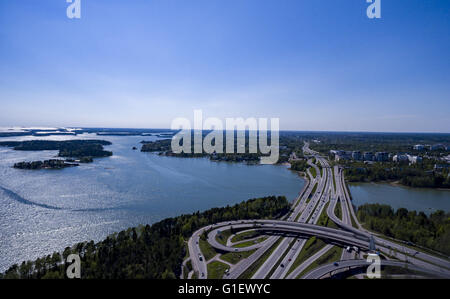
<point>168,129</point>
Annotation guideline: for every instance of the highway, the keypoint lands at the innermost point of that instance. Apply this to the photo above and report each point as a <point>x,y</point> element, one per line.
<point>385,246</point>
<point>345,265</point>
<point>297,271</point>
<point>296,229</point>
<point>343,201</point>
<point>313,213</point>
<point>290,248</point>
<point>300,224</point>
<point>286,228</point>
<point>195,253</point>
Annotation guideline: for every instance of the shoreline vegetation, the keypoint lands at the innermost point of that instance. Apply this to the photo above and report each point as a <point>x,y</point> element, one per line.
<point>431,232</point>
<point>396,183</point>
<point>52,163</point>
<point>163,147</point>
<point>430,171</point>
<point>289,142</point>
<point>416,176</point>
<point>83,150</point>
<point>47,164</point>
<point>67,148</point>
<point>152,251</point>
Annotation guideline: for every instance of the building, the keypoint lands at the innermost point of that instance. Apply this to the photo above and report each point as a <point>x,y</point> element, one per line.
<point>400,158</point>
<point>414,159</point>
<point>407,158</point>
<point>356,155</point>
<point>342,157</point>
<point>419,147</point>
<point>440,167</point>
<point>437,147</point>
<point>368,156</point>
<point>382,156</point>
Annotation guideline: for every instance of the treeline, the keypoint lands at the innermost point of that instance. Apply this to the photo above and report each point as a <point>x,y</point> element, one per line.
<point>67,148</point>
<point>376,142</point>
<point>299,165</point>
<point>164,147</point>
<point>431,232</point>
<point>156,146</point>
<point>147,252</point>
<point>418,175</point>
<point>49,164</point>
<point>86,150</point>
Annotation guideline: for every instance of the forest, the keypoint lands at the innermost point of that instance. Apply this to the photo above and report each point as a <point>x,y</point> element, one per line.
<point>419,175</point>
<point>378,142</point>
<point>299,165</point>
<point>287,145</point>
<point>429,231</point>
<point>147,252</point>
<point>68,148</point>
<point>47,164</point>
<point>164,147</point>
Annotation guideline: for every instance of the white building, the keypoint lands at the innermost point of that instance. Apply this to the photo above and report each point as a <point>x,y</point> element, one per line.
<point>414,159</point>
<point>407,158</point>
<point>400,158</point>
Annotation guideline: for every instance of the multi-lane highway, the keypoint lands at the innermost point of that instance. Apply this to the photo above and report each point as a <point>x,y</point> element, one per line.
<point>352,264</point>
<point>196,257</point>
<point>311,215</point>
<point>295,229</point>
<point>327,187</point>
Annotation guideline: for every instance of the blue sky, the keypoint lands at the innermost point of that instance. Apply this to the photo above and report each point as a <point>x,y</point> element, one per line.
<point>315,64</point>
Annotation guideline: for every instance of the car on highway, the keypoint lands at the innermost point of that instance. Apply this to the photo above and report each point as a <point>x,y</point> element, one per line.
<point>335,264</point>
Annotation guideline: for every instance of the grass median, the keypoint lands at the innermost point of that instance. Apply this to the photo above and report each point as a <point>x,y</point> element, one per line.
<point>331,256</point>
<point>258,263</point>
<point>236,257</point>
<point>216,270</point>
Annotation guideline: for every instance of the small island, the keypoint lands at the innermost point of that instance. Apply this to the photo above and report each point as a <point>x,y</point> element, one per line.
<point>163,147</point>
<point>68,148</point>
<point>47,164</point>
<point>75,151</point>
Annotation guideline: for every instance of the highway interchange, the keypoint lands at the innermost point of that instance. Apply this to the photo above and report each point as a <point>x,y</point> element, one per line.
<point>324,194</point>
